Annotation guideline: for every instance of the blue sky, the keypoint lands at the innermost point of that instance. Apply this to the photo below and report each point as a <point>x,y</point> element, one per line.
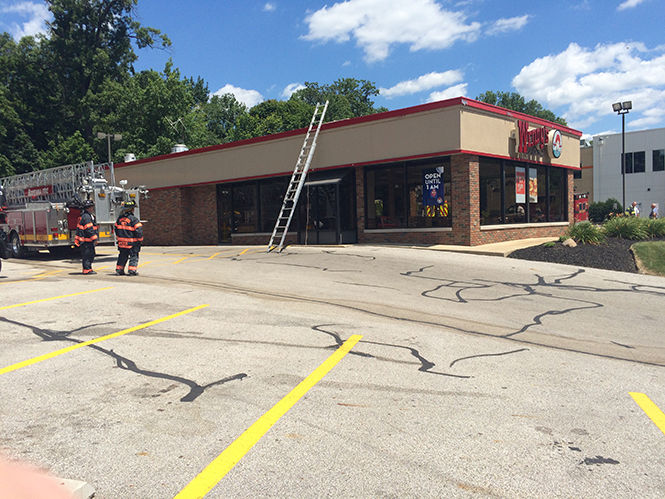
<point>575,57</point>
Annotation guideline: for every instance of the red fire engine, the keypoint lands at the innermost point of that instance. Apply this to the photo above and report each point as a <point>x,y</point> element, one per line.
<point>40,209</point>
<point>581,207</point>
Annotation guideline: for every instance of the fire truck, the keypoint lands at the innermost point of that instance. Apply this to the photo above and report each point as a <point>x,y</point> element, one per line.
<point>40,209</point>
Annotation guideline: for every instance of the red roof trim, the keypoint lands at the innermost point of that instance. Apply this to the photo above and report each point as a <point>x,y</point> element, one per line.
<point>366,163</point>
<point>431,106</point>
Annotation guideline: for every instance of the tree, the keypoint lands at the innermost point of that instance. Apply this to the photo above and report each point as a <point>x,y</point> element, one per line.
<point>514,101</point>
<point>349,98</point>
<point>90,42</point>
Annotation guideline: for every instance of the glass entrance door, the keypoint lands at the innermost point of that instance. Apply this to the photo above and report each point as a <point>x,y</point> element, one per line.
<point>224,213</point>
<point>319,211</point>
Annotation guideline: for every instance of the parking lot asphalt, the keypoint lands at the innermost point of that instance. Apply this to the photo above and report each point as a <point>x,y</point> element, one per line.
<point>334,371</point>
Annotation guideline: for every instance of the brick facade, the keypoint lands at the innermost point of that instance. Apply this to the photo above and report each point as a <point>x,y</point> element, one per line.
<point>184,215</point>
<point>188,215</point>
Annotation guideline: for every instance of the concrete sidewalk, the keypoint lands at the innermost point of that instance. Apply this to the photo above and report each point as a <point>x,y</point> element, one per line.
<point>495,249</point>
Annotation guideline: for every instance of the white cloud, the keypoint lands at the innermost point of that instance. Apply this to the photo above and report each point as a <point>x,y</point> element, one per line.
<point>248,97</point>
<point>448,93</point>
<point>629,4</point>
<point>584,82</point>
<point>37,14</point>
<point>424,82</point>
<point>290,89</point>
<point>509,24</point>
<point>376,25</point>
<point>269,7</point>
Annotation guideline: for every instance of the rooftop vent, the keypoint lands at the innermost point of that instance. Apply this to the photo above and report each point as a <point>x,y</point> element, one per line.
<point>179,148</point>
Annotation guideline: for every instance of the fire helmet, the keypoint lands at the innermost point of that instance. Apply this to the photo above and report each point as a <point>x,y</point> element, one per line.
<point>129,205</point>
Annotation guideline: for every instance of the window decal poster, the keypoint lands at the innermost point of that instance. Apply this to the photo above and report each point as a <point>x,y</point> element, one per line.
<point>533,185</point>
<point>520,185</point>
<point>433,195</point>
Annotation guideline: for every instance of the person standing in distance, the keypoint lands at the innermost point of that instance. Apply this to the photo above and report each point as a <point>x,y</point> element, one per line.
<point>87,235</point>
<point>129,233</point>
<point>654,211</point>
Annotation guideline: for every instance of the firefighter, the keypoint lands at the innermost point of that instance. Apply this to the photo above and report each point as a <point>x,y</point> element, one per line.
<point>129,232</point>
<point>87,235</point>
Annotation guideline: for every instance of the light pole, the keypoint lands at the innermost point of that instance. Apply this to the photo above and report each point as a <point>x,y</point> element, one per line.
<point>623,108</point>
<point>108,136</point>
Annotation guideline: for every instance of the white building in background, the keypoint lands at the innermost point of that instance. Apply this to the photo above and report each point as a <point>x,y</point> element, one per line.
<point>645,168</point>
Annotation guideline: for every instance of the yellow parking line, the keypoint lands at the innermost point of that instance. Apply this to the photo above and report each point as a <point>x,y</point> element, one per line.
<point>650,409</point>
<point>178,261</point>
<point>35,360</point>
<point>244,251</point>
<point>213,255</point>
<point>223,463</point>
<point>53,298</point>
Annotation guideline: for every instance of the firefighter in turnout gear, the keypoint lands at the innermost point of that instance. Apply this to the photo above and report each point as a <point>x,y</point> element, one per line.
<point>87,234</point>
<point>129,232</point>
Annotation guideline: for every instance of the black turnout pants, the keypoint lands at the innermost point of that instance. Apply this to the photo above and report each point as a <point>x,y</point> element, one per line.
<point>87,255</point>
<point>131,254</point>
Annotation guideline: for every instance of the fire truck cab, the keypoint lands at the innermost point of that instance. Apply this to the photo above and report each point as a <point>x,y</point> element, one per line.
<point>42,208</point>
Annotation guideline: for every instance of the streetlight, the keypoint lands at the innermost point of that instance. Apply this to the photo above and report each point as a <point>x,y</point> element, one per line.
<point>108,136</point>
<point>623,108</point>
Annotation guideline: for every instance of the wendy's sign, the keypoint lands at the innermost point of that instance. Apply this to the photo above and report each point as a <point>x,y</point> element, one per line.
<point>538,140</point>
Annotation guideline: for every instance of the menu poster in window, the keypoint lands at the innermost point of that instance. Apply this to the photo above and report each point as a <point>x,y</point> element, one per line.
<point>433,186</point>
<point>533,185</point>
<point>520,185</point>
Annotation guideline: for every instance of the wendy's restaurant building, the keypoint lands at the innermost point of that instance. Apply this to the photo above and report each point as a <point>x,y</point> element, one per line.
<point>457,171</point>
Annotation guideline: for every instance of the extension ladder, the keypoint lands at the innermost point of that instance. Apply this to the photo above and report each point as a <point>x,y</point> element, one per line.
<point>297,180</point>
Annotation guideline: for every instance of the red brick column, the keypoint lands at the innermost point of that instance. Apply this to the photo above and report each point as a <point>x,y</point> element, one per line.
<point>199,215</point>
<point>360,204</point>
<point>571,201</point>
<point>465,208</point>
<point>163,214</point>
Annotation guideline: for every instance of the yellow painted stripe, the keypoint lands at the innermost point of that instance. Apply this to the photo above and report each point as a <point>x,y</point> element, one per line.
<point>35,360</point>
<point>244,251</point>
<point>223,463</point>
<point>213,255</point>
<point>53,298</point>
<point>650,409</point>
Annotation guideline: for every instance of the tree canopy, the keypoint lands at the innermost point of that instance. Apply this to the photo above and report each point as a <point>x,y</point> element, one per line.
<point>59,89</point>
<point>514,101</point>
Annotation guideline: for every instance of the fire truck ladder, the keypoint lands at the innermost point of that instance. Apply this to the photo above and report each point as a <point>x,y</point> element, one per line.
<point>63,182</point>
<point>297,180</point>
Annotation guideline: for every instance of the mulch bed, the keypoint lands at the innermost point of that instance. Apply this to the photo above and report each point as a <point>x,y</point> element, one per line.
<point>613,254</point>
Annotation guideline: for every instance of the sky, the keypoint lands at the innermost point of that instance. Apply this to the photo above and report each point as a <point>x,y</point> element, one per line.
<point>576,58</point>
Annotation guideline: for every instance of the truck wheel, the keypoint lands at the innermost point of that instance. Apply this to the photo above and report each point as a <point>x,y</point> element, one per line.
<point>15,247</point>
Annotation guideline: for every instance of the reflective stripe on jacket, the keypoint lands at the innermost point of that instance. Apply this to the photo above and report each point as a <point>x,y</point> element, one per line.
<point>128,231</point>
<point>86,230</point>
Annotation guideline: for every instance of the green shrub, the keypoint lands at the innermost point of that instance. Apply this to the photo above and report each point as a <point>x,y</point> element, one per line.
<point>600,210</point>
<point>586,233</point>
<point>549,244</point>
<point>627,228</point>
<point>655,227</point>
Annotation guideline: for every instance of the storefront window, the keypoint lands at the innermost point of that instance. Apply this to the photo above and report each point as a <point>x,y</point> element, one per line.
<point>385,198</point>
<point>396,198</point>
<point>537,194</point>
<point>558,195</point>
<point>428,194</point>
<point>490,191</point>
<point>271,198</point>
<point>245,207</point>
<point>515,193</point>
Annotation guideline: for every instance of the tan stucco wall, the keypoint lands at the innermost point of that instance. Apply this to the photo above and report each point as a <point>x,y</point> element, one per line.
<point>398,135</point>
<point>371,141</point>
<point>488,133</point>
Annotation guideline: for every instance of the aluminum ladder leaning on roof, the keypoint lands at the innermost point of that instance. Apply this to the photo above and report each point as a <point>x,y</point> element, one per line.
<point>297,179</point>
